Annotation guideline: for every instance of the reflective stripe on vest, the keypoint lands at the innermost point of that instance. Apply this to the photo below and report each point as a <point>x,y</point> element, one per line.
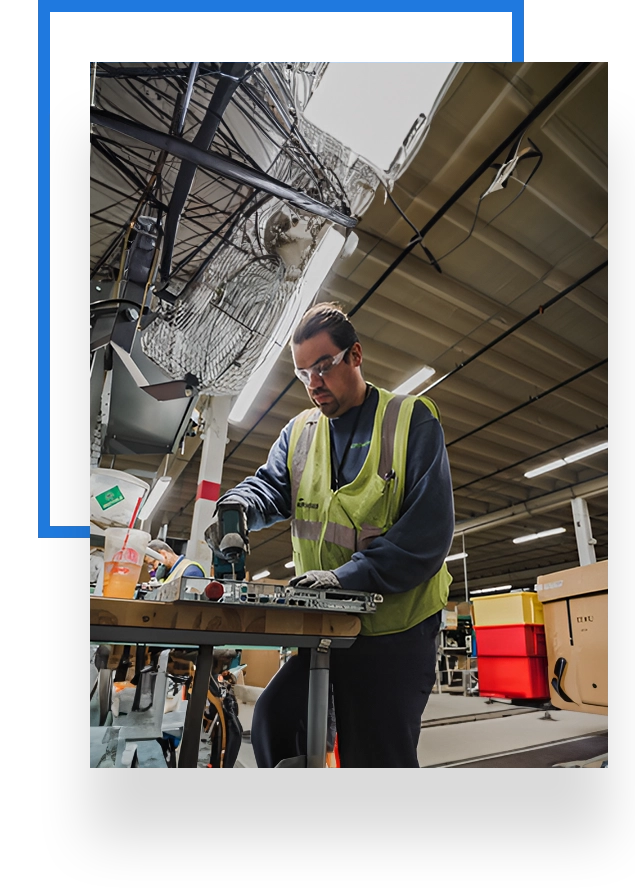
<point>301,449</point>
<point>341,535</point>
<point>182,566</point>
<point>388,435</point>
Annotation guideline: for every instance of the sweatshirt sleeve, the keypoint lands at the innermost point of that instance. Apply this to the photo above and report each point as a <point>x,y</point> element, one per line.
<point>194,572</point>
<point>267,494</point>
<point>414,548</point>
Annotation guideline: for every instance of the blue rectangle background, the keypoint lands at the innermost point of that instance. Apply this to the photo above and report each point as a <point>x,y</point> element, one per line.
<point>71,34</point>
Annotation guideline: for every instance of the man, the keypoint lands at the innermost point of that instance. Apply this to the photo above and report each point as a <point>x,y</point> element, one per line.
<point>365,479</point>
<point>175,566</point>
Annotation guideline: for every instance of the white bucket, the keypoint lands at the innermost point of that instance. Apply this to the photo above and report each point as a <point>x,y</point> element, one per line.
<point>113,497</point>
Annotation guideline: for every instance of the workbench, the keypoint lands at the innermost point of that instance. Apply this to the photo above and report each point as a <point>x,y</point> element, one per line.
<point>188,624</point>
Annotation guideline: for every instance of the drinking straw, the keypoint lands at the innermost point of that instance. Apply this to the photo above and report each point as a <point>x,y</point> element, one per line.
<point>132,522</point>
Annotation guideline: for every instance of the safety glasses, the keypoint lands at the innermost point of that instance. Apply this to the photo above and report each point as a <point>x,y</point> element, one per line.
<point>320,368</point>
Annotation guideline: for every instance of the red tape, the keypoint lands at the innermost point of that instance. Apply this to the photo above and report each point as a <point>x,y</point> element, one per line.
<point>208,491</point>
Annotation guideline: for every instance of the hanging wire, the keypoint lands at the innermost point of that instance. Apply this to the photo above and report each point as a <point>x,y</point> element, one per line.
<point>467,593</point>
<point>476,215</point>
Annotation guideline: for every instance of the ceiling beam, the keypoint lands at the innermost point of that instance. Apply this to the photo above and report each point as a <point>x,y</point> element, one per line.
<point>534,506</point>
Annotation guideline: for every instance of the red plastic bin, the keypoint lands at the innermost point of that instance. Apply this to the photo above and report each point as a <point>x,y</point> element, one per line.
<point>512,639</point>
<point>501,676</point>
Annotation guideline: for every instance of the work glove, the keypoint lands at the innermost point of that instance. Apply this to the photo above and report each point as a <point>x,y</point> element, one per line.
<point>213,534</point>
<point>316,578</point>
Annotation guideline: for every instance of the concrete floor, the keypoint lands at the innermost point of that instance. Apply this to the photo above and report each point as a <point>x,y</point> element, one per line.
<point>459,729</point>
<point>484,730</point>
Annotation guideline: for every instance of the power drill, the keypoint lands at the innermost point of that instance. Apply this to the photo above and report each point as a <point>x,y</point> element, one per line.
<point>233,543</point>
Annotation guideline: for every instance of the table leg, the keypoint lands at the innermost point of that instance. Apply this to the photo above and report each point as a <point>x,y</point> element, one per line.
<point>318,708</point>
<point>191,739</point>
<point>139,664</point>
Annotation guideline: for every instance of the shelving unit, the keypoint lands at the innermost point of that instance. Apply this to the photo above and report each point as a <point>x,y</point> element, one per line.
<point>455,644</point>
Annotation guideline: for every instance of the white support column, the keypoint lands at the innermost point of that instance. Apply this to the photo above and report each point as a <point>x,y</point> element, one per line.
<point>214,437</point>
<point>467,591</point>
<point>583,534</point>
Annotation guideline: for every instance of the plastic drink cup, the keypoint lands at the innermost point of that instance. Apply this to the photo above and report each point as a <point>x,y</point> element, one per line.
<point>122,564</point>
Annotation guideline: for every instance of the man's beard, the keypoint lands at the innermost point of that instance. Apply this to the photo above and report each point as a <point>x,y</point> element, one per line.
<point>330,408</point>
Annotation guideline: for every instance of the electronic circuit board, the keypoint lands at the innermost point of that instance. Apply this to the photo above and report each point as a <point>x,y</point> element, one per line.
<point>253,593</point>
<point>250,592</point>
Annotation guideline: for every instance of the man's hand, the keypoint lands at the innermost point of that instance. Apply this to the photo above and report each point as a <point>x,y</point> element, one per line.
<point>214,534</point>
<point>317,578</point>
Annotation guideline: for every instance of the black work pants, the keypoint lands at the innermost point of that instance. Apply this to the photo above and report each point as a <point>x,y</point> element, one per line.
<point>380,688</point>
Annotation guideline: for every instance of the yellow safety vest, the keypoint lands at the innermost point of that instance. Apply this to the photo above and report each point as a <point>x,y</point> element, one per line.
<point>182,566</point>
<point>327,526</point>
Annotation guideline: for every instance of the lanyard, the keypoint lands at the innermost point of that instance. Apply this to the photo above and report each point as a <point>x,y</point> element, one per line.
<point>336,471</point>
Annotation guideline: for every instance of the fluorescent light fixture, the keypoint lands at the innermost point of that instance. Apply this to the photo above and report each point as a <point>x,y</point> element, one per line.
<point>413,382</point>
<point>492,589</point>
<point>387,99</point>
<point>546,534</point>
<point>289,565</point>
<point>260,575</point>
<point>319,265</point>
<point>455,556</point>
<point>579,455</point>
<point>156,493</point>
<point>546,468</point>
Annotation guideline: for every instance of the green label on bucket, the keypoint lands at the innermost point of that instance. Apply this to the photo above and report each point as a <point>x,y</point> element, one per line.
<point>109,498</point>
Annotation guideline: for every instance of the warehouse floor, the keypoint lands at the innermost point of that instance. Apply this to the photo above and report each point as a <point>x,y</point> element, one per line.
<point>469,732</point>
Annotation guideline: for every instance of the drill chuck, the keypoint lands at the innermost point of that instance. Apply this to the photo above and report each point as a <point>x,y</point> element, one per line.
<point>232,547</point>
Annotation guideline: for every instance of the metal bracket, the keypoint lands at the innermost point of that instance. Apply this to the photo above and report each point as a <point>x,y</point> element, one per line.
<point>324,646</point>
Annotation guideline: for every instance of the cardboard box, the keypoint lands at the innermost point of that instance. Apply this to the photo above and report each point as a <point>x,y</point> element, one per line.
<point>262,664</point>
<point>116,654</point>
<point>573,582</point>
<point>449,616</point>
<point>575,605</point>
